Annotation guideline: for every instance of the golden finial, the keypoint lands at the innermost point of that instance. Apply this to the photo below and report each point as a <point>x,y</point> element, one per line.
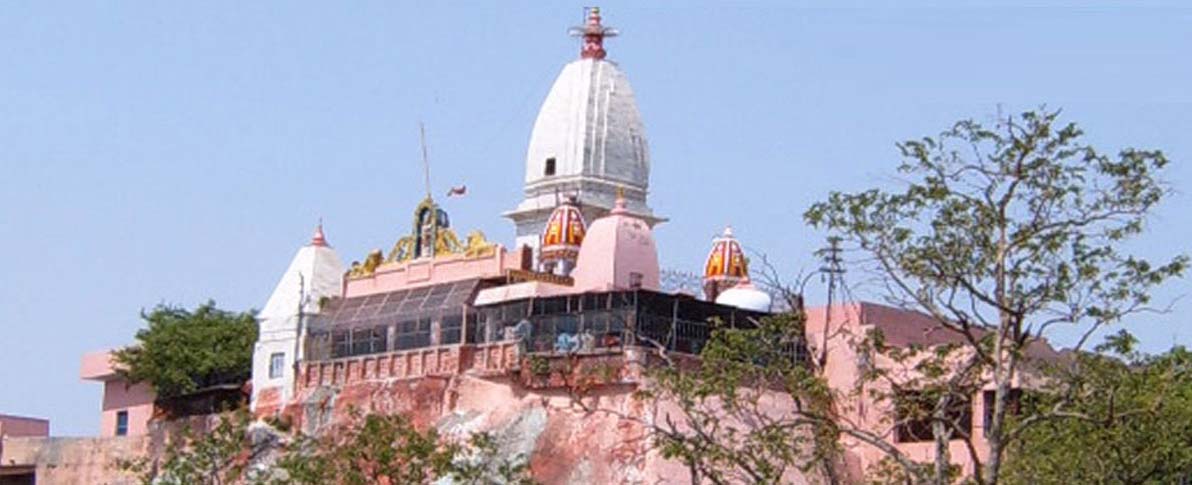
<point>619,204</point>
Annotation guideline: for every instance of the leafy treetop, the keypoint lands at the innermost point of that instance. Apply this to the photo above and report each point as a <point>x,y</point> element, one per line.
<point>183,351</point>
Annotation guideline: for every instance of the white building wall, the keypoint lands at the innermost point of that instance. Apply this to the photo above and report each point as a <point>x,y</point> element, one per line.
<point>314,273</point>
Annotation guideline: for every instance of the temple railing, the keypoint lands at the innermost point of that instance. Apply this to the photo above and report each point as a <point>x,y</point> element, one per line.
<point>490,358</point>
<point>491,338</point>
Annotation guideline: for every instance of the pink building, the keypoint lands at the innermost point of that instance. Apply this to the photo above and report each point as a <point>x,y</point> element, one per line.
<point>14,429</point>
<point>23,426</point>
<point>126,408</point>
<point>845,326</point>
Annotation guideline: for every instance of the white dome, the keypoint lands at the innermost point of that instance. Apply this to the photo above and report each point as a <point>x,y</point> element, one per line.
<point>588,141</point>
<point>590,126</point>
<point>745,296</point>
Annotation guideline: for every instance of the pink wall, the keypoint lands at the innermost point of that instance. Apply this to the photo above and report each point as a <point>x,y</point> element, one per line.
<point>97,366</point>
<point>118,395</point>
<point>22,426</point>
<point>421,272</point>
<point>849,323</point>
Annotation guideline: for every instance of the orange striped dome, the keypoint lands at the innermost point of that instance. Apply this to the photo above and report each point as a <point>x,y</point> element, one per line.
<point>726,261</point>
<point>564,233</point>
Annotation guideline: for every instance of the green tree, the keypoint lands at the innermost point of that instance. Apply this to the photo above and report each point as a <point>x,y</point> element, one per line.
<point>388,448</point>
<point>183,351</point>
<point>1129,421</point>
<point>371,449</point>
<point>480,461</point>
<point>1002,233</point>
<point>746,411</point>
<point>366,449</point>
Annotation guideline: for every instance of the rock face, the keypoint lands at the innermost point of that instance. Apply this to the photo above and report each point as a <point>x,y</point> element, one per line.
<point>579,426</point>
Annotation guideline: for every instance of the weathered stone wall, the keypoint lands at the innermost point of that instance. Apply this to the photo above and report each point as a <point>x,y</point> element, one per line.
<point>74,460</point>
<point>92,461</point>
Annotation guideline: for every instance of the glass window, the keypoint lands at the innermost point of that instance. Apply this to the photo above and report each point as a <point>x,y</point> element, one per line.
<point>414,300</point>
<point>550,306</point>
<point>1014,402</point>
<point>437,297</point>
<point>277,365</point>
<point>121,423</point>
<point>516,311</point>
<point>567,324</point>
<point>392,304</point>
<point>380,339</point>
<point>341,344</point>
<point>451,327</point>
<point>361,341</point>
<point>594,302</point>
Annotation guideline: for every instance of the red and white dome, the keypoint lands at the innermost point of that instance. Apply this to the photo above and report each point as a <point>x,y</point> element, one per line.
<point>564,233</point>
<point>726,262</point>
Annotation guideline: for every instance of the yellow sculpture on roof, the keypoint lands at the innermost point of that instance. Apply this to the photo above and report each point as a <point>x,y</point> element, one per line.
<point>431,236</point>
<point>478,247</point>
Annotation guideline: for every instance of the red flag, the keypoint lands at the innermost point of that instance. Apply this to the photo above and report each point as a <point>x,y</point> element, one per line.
<point>457,191</point>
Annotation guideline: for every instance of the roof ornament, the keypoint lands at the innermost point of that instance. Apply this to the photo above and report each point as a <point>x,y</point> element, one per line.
<point>725,266</point>
<point>619,204</point>
<point>593,34</point>
<point>318,239</point>
<point>562,238</point>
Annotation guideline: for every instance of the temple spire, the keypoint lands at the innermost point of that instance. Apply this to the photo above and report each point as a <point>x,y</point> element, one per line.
<point>593,33</point>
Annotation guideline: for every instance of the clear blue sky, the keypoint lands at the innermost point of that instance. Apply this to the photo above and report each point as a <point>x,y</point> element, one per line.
<point>169,152</point>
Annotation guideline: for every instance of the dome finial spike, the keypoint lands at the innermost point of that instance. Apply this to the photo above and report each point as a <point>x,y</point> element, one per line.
<point>619,205</point>
<point>318,239</point>
<point>593,33</point>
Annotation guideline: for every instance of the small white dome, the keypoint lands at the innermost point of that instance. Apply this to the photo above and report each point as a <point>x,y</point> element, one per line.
<point>745,296</point>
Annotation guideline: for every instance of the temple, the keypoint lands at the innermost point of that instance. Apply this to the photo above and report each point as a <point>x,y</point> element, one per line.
<point>467,334</point>
<point>461,329</point>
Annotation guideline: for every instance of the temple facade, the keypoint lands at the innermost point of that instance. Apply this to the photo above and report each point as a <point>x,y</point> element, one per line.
<point>464,333</point>
<point>469,334</point>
